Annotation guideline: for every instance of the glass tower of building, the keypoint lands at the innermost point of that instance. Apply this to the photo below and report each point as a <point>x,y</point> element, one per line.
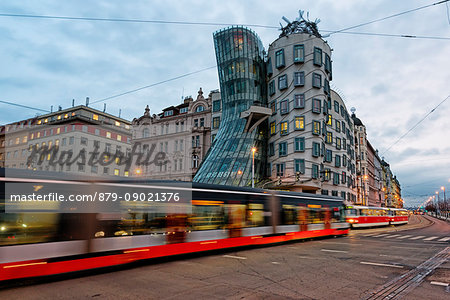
<point>240,62</point>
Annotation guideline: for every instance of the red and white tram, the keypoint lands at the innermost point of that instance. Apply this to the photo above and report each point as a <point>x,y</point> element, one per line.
<point>368,216</point>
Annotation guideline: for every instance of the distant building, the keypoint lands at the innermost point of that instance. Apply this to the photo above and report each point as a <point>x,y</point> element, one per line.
<point>362,163</point>
<point>182,133</point>
<point>83,131</point>
<point>14,143</point>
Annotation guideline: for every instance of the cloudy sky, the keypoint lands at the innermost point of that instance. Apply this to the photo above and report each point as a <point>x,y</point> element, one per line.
<point>392,82</point>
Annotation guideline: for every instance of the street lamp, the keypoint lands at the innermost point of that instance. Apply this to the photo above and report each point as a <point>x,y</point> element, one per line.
<point>253,166</point>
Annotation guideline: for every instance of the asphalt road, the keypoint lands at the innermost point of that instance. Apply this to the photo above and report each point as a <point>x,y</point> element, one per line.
<point>367,264</point>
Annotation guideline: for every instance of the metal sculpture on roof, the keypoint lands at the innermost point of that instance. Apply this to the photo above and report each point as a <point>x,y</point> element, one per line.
<point>300,25</point>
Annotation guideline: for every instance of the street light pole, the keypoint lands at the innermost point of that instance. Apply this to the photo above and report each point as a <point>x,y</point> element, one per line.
<point>253,166</point>
<point>444,206</point>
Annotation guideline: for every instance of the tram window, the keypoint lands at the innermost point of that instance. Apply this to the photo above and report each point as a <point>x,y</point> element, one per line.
<point>235,215</point>
<point>315,216</point>
<point>207,217</point>
<point>351,212</point>
<point>28,228</point>
<point>255,215</point>
<point>289,214</point>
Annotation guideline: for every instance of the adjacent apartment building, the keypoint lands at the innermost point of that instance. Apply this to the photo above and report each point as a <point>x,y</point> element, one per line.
<point>182,133</point>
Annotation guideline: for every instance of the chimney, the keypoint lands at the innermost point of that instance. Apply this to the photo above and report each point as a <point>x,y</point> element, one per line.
<point>87,101</point>
<point>104,107</point>
<point>73,102</point>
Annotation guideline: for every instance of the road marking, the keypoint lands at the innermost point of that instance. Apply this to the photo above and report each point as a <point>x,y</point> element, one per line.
<point>337,251</point>
<point>405,236</point>
<point>236,257</point>
<point>430,238</point>
<point>392,236</point>
<point>444,239</point>
<point>337,243</point>
<point>371,234</point>
<point>417,237</point>
<point>439,283</point>
<point>275,263</point>
<point>381,265</point>
<point>380,235</point>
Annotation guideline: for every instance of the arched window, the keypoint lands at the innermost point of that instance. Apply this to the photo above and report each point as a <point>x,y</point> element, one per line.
<point>195,161</point>
<point>200,108</point>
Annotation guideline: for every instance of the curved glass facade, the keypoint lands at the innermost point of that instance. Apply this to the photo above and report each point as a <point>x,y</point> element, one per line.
<point>240,62</point>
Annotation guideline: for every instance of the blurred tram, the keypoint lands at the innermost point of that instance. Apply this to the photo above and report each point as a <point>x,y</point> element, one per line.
<point>48,243</point>
<point>368,216</point>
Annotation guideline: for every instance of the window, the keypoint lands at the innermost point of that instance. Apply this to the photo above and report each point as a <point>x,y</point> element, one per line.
<point>271,149</point>
<point>343,126</point>
<point>344,177</point>
<point>116,172</point>
<point>316,149</point>
<point>63,142</point>
<point>329,155</point>
<point>317,80</point>
<point>336,106</point>
<point>338,126</point>
<point>168,113</point>
<point>316,127</point>
<point>280,170</point>
<point>299,123</point>
<point>279,58</point>
<point>329,137</point>
<point>273,128</point>
<point>83,141</point>
<point>329,120</point>
<point>269,67</point>
<point>108,134</point>
<point>119,137</point>
<point>315,171</point>
<point>316,103</point>
<point>337,161</point>
<point>202,122</point>
<point>200,108</point>
<point>271,88</point>
<point>284,107</point>
<point>94,116</point>
<point>273,107</point>
<point>335,178</point>
<point>344,160</point>
<point>184,110</point>
<point>299,144</point>
<point>326,86</point>
<point>105,170</point>
<point>299,101</point>
<point>327,63</point>
<point>282,82</point>
<point>299,53</point>
<point>327,174</point>
<point>299,78</point>
<point>81,168</point>
<point>284,128</point>
<point>317,56</point>
<point>216,122</point>
<point>71,140</point>
<point>216,105</point>
<point>195,161</point>
<point>299,165</point>
<point>282,149</point>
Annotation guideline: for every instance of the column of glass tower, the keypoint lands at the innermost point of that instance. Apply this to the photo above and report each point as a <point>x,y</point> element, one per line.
<point>240,62</point>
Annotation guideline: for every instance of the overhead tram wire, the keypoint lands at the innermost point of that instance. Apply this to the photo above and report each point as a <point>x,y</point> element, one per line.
<point>24,106</point>
<point>417,124</point>
<point>391,35</point>
<point>389,17</point>
<point>152,85</point>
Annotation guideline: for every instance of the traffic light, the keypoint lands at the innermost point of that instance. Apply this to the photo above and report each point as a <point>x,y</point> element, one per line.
<point>279,181</point>
<point>297,176</point>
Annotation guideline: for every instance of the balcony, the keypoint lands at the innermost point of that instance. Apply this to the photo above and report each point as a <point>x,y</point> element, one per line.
<point>255,115</point>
